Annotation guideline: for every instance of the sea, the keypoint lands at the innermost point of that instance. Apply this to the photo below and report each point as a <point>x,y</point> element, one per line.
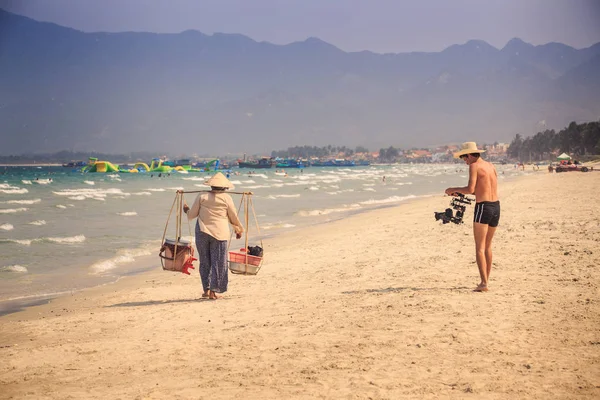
<point>62,231</point>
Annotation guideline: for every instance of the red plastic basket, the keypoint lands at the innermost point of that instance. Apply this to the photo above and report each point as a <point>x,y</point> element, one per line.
<point>240,258</point>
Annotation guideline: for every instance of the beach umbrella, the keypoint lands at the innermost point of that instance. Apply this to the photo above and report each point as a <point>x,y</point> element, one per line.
<point>563,156</point>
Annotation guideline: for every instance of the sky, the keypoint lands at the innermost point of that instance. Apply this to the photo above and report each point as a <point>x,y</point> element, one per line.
<point>381,26</point>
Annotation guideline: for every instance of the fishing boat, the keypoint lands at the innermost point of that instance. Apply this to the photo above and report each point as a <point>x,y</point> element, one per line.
<point>264,162</point>
<point>338,162</point>
<point>74,164</point>
<point>289,163</point>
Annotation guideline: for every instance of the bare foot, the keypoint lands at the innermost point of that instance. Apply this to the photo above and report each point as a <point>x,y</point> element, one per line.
<point>212,295</point>
<point>205,294</point>
<point>481,288</point>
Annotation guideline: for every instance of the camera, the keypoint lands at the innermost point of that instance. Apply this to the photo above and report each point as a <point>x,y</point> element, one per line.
<point>459,203</point>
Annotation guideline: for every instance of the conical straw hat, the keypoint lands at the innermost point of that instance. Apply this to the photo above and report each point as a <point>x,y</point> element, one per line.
<point>219,180</point>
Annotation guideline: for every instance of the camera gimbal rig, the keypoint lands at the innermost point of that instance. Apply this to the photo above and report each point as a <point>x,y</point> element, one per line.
<point>459,203</point>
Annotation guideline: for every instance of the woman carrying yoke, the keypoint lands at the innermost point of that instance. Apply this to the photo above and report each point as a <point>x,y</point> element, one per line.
<point>215,210</point>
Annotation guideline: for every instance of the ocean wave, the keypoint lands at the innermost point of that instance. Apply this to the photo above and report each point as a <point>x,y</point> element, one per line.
<point>61,206</point>
<point>14,268</point>
<point>326,211</point>
<point>257,186</point>
<point>156,190</point>
<point>128,213</point>
<point>122,257</point>
<point>38,222</point>
<point>34,201</point>
<point>59,240</point>
<point>66,240</point>
<point>89,182</point>
<point>7,227</point>
<point>284,196</point>
<point>97,194</point>
<point>26,182</point>
<point>23,242</point>
<point>393,199</point>
<point>13,210</point>
<point>142,194</point>
<point>278,226</point>
<point>295,183</point>
<point>14,190</point>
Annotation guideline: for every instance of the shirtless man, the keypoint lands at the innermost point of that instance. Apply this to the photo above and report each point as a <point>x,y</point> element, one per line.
<point>483,182</point>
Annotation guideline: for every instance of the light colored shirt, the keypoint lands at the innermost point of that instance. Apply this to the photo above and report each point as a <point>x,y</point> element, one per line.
<point>215,210</point>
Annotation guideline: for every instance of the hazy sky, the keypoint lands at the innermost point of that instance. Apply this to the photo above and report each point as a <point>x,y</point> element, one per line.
<point>352,25</point>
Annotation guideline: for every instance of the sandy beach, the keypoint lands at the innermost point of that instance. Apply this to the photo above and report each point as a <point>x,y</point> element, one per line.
<point>379,305</point>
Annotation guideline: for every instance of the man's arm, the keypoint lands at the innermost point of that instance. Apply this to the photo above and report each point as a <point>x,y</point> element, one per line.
<point>470,188</point>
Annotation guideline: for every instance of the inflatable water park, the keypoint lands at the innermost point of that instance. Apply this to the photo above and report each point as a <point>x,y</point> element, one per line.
<point>157,165</point>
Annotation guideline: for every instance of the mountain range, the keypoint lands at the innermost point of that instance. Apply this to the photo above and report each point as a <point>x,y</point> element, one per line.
<point>63,89</point>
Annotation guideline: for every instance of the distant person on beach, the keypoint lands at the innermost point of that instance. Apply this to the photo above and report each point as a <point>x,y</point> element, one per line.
<point>215,211</point>
<point>483,182</point>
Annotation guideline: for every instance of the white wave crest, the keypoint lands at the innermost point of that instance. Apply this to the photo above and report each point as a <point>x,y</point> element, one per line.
<point>14,268</point>
<point>283,196</point>
<point>61,206</point>
<point>278,226</point>
<point>313,213</point>
<point>67,240</point>
<point>13,210</point>
<point>34,201</point>
<point>97,194</point>
<point>123,256</point>
<point>128,213</point>
<point>38,222</point>
<point>89,182</point>
<point>24,242</point>
<point>7,227</point>
<point>393,199</point>
<point>14,191</point>
<point>257,186</point>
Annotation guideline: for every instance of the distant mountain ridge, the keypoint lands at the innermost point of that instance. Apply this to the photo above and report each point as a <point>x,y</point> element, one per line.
<point>190,92</point>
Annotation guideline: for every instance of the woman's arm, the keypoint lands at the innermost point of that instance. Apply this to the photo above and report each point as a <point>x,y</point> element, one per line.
<point>194,211</point>
<point>233,217</point>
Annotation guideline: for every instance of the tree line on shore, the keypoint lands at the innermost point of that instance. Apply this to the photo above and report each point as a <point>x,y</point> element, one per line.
<point>577,140</point>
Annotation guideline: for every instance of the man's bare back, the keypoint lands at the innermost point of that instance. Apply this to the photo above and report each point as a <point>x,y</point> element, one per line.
<point>483,180</point>
<point>486,185</point>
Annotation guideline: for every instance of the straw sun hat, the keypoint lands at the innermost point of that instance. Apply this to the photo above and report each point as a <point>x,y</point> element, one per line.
<point>219,180</point>
<point>468,148</point>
